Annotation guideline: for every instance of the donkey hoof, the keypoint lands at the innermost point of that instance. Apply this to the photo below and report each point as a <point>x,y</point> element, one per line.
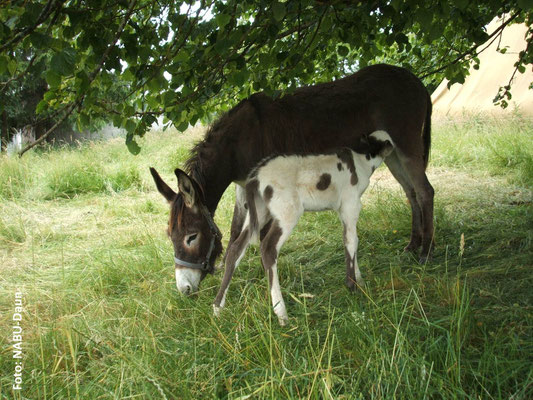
<point>283,321</point>
<point>411,248</point>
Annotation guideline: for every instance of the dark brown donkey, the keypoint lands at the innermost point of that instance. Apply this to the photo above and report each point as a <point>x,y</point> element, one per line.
<point>312,119</point>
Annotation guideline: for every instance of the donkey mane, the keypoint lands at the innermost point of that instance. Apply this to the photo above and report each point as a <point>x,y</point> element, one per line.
<point>221,130</point>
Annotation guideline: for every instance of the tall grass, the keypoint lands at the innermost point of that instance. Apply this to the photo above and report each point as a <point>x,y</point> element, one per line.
<point>82,236</point>
<point>499,145</point>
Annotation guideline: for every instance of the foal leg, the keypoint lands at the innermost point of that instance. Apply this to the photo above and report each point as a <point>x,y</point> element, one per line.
<point>349,214</point>
<point>397,170</point>
<point>233,258</point>
<point>270,246</point>
<point>239,215</point>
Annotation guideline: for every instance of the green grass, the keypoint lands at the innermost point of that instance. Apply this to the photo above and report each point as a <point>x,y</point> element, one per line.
<point>82,235</point>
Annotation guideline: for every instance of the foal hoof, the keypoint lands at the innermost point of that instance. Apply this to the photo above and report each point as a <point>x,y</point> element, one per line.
<point>355,286</point>
<point>424,259</point>
<point>216,311</point>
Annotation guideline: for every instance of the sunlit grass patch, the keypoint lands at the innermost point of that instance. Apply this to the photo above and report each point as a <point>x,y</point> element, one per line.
<point>73,175</point>
<point>15,177</point>
<point>503,146</point>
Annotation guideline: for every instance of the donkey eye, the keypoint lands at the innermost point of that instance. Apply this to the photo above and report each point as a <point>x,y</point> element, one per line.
<point>191,238</point>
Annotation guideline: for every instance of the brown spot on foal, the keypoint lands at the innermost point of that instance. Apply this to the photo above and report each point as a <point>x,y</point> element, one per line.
<point>345,155</point>
<point>324,182</point>
<point>268,193</point>
<point>269,252</point>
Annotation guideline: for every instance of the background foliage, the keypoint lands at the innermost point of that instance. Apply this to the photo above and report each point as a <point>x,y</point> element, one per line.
<point>132,61</point>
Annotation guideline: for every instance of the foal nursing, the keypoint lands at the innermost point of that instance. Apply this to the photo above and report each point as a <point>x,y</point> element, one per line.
<point>281,188</point>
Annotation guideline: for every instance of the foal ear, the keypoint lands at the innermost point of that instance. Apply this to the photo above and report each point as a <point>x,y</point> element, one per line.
<point>386,149</point>
<point>186,187</point>
<point>163,188</point>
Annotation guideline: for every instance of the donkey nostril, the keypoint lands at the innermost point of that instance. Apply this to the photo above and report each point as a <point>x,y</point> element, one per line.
<point>187,289</point>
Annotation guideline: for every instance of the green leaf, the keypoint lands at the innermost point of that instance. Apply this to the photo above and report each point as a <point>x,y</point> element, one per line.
<point>118,120</point>
<point>63,62</point>
<point>41,106</point>
<point>525,5</point>
<point>182,127</point>
<point>424,18</point>
<point>461,4</point>
<point>12,67</point>
<point>222,45</point>
<point>239,77</point>
<point>278,10</point>
<point>343,51</point>
<point>3,64</point>
<point>222,20</point>
<point>40,41</point>
<point>52,78</point>
<point>133,147</point>
<point>130,126</point>
<point>82,122</point>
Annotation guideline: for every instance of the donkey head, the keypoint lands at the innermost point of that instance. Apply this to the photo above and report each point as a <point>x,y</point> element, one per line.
<point>196,238</point>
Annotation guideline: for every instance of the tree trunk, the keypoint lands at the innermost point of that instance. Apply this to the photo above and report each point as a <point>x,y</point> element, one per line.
<point>4,139</point>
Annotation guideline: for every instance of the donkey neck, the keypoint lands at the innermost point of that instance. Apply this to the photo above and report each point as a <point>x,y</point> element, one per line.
<point>211,167</point>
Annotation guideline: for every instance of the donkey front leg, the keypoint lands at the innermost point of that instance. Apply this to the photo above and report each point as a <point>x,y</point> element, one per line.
<point>349,215</point>
<point>233,258</point>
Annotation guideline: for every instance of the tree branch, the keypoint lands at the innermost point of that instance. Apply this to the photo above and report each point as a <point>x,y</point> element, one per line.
<point>92,77</point>
<point>45,13</point>
<point>472,50</point>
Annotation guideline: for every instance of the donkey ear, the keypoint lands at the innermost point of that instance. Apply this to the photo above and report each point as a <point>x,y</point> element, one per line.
<point>163,188</point>
<point>186,187</point>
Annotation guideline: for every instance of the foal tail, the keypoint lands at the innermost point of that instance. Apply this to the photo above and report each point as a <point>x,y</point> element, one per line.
<point>426,134</point>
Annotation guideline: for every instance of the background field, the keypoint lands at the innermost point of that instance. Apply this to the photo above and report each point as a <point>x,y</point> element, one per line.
<point>82,235</point>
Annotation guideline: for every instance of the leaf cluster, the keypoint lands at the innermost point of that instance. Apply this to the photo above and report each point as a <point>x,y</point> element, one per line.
<point>134,61</point>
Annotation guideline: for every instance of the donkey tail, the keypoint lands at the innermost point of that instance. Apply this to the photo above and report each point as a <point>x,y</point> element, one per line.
<point>426,134</point>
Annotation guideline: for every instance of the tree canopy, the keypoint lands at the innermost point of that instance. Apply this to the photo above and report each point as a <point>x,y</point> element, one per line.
<point>131,61</point>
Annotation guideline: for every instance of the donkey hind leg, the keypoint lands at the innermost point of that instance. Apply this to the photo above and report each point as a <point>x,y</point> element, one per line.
<point>349,214</point>
<point>239,215</point>
<point>270,246</point>
<point>414,169</point>
<point>397,170</point>
<point>233,257</point>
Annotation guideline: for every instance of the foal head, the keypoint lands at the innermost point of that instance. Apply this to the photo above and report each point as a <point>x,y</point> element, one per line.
<point>196,238</point>
<point>377,146</point>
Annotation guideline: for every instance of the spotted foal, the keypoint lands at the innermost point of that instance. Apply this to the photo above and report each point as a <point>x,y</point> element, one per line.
<point>281,188</point>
